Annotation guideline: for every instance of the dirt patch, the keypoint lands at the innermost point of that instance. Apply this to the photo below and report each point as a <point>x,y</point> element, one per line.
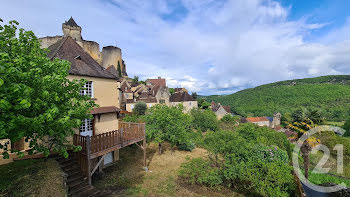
<point>128,178</point>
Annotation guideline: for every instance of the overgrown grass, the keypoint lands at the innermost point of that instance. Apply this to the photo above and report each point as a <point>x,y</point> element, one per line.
<point>326,178</point>
<point>127,177</point>
<point>36,177</point>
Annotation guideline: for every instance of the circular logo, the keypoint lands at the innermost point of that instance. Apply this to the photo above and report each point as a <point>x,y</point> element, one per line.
<point>296,153</point>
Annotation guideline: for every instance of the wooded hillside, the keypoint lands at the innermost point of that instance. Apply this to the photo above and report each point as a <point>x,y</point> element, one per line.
<point>330,94</point>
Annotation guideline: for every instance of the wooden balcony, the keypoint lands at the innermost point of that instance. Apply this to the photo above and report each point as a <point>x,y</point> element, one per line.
<point>97,146</point>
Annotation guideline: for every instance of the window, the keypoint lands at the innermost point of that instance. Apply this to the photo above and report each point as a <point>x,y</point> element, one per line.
<point>86,126</point>
<point>161,101</point>
<point>132,106</point>
<point>88,89</point>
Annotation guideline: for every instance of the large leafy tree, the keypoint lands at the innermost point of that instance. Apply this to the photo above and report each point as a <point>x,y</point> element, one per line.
<point>167,124</point>
<point>37,101</point>
<point>204,120</point>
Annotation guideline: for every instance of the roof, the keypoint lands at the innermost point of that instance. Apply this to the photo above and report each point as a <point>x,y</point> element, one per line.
<point>148,99</point>
<point>181,97</point>
<point>227,108</point>
<point>125,88</point>
<point>113,71</point>
<point>160,82</point>
<point>71,22</point>
<point>82,63</point>
<point>104,110</point>
<point>257,119</point>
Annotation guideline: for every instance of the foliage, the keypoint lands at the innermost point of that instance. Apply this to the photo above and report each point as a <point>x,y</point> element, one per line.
<point>200,171</point>
<point>119,70</point>
<point>194,95</point>
<point>133,118</point>
<point>171,90</point>
<point>140,108</point>
<point>329,94</point>
<point>204,120</point>
<point>168,124</point>
<point>37,101</point>
<point>230,119</point>
<point>347,128</point>
<point>252,159</point>
<point>202,104</point>
<point>135,79</point>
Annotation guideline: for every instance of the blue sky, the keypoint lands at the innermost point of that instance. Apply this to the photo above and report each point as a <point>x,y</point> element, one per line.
<point>207,46</point>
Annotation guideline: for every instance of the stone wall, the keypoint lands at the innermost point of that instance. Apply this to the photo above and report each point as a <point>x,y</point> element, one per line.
<point>49,40</point>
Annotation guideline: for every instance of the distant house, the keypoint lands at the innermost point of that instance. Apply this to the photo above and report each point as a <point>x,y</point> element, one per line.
<point>185,99</point>
<point>272,122</point>
<point>150,101</point>
<point>153,82</point>
<point>220,110</point>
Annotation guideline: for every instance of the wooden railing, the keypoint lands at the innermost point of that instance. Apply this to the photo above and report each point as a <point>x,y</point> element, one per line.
<point>99,145</point>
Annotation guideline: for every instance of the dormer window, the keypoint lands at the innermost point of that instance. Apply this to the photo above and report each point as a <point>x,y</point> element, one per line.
<point>88,89</point>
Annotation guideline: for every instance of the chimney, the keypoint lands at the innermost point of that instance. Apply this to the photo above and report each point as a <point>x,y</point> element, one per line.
<point>159,77</point>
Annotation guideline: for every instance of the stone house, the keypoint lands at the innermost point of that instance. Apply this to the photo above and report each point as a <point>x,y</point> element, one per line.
<point>272,122</point>
<point>220,110</point>
<point>185,99</point>
<point>103,86</point>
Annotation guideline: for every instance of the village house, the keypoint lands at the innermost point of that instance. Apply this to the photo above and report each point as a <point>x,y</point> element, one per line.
<point>102,86</point>
<point>185,99</point>
<point>102,136</point>
<point>220,110</point>
<point>272,122</point>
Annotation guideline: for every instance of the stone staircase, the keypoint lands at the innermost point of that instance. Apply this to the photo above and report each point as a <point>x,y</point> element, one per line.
<point>78,185</point>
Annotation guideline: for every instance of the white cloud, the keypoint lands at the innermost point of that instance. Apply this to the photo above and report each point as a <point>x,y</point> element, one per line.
<point>212,47</point>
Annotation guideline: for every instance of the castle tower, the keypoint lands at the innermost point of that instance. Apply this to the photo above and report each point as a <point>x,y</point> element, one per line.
<point>112,56</point>
<point>70,28</point>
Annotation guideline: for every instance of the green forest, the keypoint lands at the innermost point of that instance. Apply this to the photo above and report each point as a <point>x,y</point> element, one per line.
<point>329,94</point>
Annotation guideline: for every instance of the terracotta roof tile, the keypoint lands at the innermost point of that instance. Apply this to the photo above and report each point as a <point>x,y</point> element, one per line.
<point>257,119</point>
<point>160,82</point>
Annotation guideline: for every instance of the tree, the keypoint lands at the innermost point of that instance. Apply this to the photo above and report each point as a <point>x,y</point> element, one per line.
<point>167,124</point>
<point>228,118</point>
<point>140,108</point>
<point>194,95</point>
<point>119,70</point>
<point>37,101</point>
<point>204,120</point>
<point>203,104</point>
<point>171,90</point>
<point>135,79</point>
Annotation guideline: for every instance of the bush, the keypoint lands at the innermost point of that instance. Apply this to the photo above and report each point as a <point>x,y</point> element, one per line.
<point>133,118</point>
<point>140,108</point>
<point>200,171</point>
<point>252,159</point>
<point>204,120</point>
<point>347,128</point>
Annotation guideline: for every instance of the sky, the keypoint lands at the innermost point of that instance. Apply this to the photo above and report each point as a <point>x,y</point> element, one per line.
<point>206,46</point>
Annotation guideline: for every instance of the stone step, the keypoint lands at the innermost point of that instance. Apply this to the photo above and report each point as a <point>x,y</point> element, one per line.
<point>71,179</point>
<point>76,182</point>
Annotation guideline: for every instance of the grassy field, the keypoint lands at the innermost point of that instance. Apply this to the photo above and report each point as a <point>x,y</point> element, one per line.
<point>35,177</point>
<point>127,178</point>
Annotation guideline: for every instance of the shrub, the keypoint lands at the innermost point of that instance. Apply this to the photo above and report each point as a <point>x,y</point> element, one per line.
<point>228,118</point>
<point>204,120</point>
<point>200,171</point>
<point>133,118</point>
<point>140,108</point>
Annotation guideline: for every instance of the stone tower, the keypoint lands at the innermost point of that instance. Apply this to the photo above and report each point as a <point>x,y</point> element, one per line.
<point>276,119</point>
<point>70,28</point>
